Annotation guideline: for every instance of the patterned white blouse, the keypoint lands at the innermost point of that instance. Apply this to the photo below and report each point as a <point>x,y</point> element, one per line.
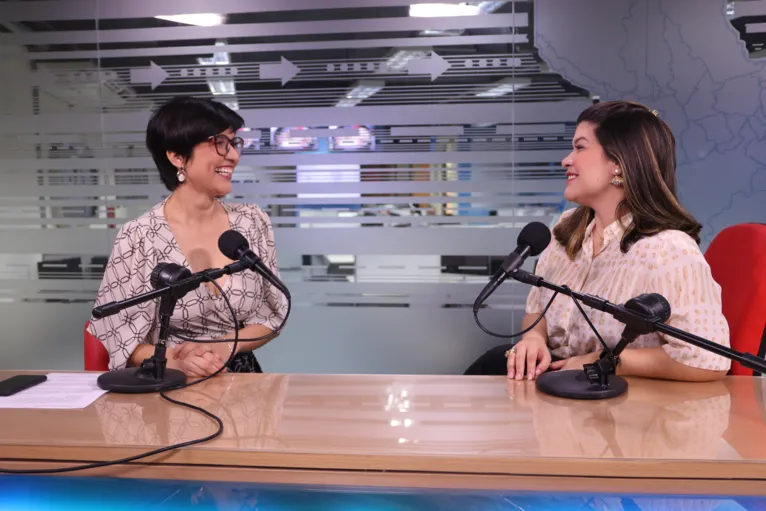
<point>146,241</point>
<point>669,263</point>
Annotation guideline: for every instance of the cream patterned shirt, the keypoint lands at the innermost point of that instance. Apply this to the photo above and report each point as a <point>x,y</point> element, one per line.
<point>669,263</point>
<point>146,241</point>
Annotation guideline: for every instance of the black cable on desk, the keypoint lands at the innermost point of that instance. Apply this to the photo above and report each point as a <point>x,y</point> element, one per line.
<point>164,396</point>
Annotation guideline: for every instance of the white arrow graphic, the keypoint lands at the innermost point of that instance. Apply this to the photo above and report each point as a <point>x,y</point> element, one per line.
<point>284,71</point>
<point>434,66</point>
<point>153,74</point>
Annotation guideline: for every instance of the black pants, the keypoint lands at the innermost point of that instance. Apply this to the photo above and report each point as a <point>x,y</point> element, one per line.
<point>245,363</point>
<point>493,362</point>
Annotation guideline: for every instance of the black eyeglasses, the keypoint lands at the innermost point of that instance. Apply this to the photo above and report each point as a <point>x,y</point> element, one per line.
<point>224,143</point>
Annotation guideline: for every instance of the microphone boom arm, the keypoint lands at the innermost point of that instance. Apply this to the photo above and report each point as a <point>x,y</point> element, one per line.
<point>637,324</point>
<point>177,290</point>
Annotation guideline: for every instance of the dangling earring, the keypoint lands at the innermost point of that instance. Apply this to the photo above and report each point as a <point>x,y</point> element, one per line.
<point>617,180</point>
<point>180,175</point>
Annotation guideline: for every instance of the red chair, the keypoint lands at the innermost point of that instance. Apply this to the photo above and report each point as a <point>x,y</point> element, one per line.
<point>737,259</point>
<point>96,356</point>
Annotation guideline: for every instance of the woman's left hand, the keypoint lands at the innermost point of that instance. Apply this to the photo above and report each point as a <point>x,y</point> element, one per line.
<point>217,353</point>
<point>575,362</point>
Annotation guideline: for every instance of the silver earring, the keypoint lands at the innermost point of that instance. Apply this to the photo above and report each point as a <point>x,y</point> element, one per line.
<point>617,180</point>
<point>180,175</point>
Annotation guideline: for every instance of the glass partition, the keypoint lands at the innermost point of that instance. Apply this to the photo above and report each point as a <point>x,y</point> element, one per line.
<point>399,148</point>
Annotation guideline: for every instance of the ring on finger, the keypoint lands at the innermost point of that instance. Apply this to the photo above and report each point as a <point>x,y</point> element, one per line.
<point>510,352</point>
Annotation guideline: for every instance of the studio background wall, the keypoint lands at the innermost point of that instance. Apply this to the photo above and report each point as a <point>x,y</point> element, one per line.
<point>398,150</point>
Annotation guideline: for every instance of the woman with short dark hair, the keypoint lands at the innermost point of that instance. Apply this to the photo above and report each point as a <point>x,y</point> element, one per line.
<point>629,236</point>
<point>194,144</point>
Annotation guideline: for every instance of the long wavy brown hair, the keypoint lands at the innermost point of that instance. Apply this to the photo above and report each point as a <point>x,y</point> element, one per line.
<point>644,148</point>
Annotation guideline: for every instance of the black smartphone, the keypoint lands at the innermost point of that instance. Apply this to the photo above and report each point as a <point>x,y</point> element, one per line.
<point>20,382</point>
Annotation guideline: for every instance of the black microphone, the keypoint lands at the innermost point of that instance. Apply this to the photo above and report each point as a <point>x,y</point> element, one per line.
<point>234,246</point>
<point>532,240</point>
<point>166,274</point>
<point>648,307</point>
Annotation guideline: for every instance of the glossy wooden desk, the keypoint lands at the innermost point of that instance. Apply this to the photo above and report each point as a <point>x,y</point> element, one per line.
<point>418,431</point>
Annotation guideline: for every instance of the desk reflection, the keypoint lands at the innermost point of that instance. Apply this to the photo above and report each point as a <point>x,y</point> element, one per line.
<point>449,424</point>
<point>747,427</point>
<point>251,414</point>
<point>653,420</point>
<point>656,420</point>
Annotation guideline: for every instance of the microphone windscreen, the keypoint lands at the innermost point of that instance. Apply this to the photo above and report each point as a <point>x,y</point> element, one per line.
<point>165,274</point>
<point>650,305</point>
<point>231,244</point>
<point>536,236</point>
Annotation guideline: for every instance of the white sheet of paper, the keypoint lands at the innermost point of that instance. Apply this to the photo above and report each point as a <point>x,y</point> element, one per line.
<point>62,391</point>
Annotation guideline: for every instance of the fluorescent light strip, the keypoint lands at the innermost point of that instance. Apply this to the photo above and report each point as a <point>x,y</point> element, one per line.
<point>436,10</point>
<point>398,61</point>
<point>221,87</point>
<point>362,90</point>
<point>201,20</point>
<point>503,87</point>
<point>218,59</point>
<point>488,7</point>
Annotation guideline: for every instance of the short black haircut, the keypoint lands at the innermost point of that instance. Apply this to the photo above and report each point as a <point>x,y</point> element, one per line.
<point>182,123</point>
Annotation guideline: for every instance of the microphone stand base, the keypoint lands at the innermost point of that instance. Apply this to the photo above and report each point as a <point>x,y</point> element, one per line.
<point>574,384</point>
<point>136,380</point>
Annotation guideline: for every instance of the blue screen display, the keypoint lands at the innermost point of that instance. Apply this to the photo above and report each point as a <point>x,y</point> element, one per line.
<point>22,493</point>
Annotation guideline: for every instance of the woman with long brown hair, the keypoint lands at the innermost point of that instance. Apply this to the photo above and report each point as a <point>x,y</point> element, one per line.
<point>628,236</point>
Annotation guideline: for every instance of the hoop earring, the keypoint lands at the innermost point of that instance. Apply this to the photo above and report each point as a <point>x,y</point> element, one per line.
<point>180,175</point>
<point>617,180</point>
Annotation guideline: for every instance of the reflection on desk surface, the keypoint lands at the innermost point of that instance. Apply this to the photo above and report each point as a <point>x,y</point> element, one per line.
<point>420,415</point>
<point>85,494</point>
<point>250,412</point>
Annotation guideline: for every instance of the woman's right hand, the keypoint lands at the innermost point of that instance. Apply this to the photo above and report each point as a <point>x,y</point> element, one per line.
<point>530,356</point>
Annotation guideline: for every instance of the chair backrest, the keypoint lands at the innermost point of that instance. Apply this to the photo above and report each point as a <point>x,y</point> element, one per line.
<point>96,356</point>
<point>737,259</point>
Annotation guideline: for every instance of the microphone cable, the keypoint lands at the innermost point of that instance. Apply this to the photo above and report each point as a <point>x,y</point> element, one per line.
<point>568,292</point>
<point>511,336</point>
<point>269,336</point>
<point>217,420</point>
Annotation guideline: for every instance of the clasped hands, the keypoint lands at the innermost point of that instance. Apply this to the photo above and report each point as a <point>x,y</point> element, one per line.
<point>199,359</point>
<point>531,357</point>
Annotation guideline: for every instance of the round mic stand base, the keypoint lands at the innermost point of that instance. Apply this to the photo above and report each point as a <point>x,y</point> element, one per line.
<point>137,380</point>
<point>152,376</point>
<point>575,384</point>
